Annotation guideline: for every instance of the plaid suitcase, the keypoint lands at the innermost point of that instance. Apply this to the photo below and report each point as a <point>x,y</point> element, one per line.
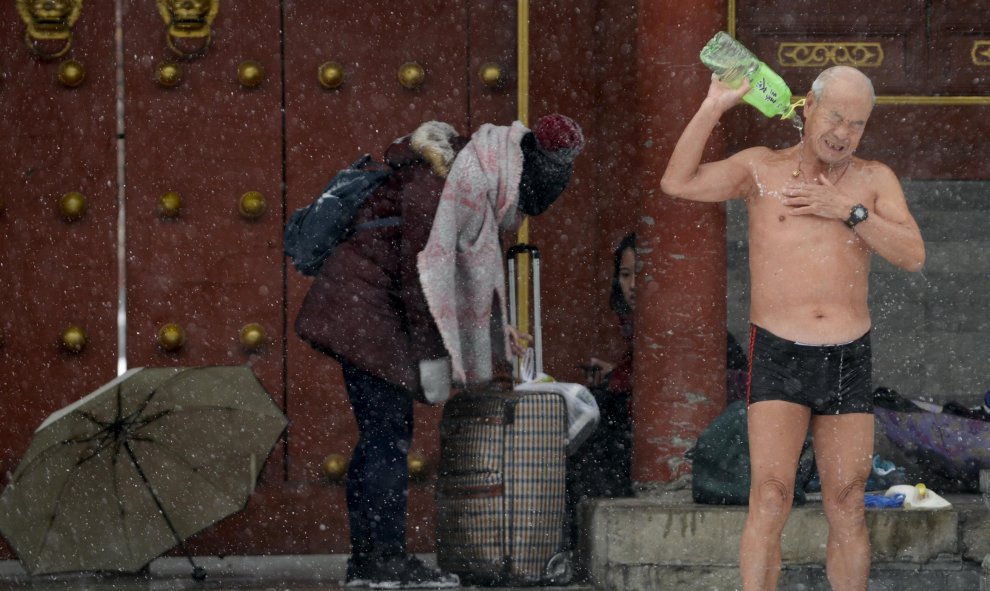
<point>502,480</point>
<point>501,487</point>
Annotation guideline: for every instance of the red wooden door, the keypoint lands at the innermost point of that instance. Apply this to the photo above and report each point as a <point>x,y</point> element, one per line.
<point>203,164</point>
<point>58,261</point>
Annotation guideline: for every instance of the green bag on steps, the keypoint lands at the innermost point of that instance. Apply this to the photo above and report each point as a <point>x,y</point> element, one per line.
<point>720,461</point>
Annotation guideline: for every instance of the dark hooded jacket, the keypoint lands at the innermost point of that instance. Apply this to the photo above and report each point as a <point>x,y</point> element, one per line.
<point>366,306</point>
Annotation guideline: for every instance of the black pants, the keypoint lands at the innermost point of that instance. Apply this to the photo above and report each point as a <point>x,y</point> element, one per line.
<point>378,475</point>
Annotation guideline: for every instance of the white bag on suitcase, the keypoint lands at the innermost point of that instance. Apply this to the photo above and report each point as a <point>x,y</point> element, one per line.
<point>583,415</point>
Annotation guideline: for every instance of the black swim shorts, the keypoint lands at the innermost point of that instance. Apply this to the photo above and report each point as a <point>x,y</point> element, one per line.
<point>828,379</point>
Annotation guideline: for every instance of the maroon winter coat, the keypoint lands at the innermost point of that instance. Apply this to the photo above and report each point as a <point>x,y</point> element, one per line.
<point>366,305</point>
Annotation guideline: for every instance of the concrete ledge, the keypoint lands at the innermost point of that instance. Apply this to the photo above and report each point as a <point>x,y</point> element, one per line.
<point>638,531</point>
<point>671,543</point>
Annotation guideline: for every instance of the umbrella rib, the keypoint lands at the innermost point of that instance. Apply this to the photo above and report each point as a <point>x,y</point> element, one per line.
<point>106,427</point>
<point>53,450</point>
<point>178,458</point>
<point>121,510</point>
<point>101,436</point>
<point>192,468</point>
<point>56,506</point>
<point>55,511</point>
<point>56,451</point>
<point>158,503</point>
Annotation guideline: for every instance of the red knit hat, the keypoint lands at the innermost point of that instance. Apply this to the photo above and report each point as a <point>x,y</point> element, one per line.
<point>548,161</point>
<point>559,134</point>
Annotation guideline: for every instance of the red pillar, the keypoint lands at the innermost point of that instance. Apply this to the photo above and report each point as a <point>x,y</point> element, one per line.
<point>680,315</point>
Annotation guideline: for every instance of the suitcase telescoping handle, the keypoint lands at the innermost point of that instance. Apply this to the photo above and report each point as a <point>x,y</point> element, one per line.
<point>514,312</point>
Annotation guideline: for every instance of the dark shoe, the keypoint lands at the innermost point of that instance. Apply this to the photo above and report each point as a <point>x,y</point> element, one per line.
<point>360,569</point>
<point>408,572</point>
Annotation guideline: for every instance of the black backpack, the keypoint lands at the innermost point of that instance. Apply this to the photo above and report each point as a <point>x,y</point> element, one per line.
<point>313,231</point>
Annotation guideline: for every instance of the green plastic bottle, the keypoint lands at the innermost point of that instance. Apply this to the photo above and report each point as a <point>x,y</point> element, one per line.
<point>730,61</point>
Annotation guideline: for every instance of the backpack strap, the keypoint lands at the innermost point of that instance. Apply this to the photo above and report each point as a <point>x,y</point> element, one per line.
<point>379,223</point>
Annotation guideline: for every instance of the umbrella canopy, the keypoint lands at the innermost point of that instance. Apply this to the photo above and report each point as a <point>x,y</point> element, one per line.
<point>956,446</point>
<point>147,460</point>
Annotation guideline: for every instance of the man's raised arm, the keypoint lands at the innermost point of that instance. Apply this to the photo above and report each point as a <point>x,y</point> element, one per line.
<point>685,176</point>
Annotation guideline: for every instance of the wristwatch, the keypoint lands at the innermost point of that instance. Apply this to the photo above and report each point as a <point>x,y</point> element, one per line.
<point>857,214</point>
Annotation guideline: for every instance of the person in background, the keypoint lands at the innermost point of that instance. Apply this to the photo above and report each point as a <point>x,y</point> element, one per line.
<point>601,467</point>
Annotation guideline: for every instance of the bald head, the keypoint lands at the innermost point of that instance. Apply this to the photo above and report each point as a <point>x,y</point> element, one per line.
<point>849,80</point>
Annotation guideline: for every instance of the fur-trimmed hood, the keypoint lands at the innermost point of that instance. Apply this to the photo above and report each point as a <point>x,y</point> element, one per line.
<point>434,142</point>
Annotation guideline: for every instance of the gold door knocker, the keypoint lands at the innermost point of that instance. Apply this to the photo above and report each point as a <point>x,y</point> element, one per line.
<point>49,23</point>
<point>188,19</point>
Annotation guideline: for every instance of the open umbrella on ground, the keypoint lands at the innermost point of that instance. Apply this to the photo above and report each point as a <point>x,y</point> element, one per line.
<point>954,447</point>
<point>126,473</point>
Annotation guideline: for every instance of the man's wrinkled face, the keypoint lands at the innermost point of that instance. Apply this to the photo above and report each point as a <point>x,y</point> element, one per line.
<point>836,122</point>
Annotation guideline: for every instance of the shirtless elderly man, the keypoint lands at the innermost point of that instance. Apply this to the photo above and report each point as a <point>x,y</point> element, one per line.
<point>816,214</point>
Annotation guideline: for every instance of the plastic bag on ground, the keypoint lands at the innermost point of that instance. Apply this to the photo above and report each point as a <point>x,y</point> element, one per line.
<point>918,497</point>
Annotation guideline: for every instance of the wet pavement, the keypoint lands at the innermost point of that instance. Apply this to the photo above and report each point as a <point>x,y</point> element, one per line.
<point>960,568</point>
<point>136,584</point>
<point>243,573</point>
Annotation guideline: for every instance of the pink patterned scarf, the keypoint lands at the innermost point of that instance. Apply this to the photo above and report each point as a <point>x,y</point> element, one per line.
<point>461,268</point>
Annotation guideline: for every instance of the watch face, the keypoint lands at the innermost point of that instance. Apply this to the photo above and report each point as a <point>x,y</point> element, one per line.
<point>857,215</point>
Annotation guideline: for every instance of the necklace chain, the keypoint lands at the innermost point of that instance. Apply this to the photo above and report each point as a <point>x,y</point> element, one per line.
<point>798,172</point>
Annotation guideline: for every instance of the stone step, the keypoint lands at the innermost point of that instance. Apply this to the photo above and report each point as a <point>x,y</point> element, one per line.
<point>668,542</point>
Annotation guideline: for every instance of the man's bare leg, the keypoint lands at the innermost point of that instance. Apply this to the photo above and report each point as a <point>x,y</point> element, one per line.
<point>843,453</point>
<point>776,433</point>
